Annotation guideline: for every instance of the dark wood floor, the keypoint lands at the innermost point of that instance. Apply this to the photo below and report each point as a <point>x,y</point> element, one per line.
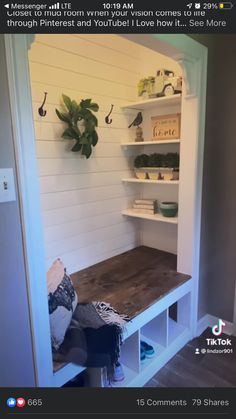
<point>205,370</point>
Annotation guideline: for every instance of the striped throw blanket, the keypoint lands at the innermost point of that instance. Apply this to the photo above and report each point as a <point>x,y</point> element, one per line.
<point>94,336</point>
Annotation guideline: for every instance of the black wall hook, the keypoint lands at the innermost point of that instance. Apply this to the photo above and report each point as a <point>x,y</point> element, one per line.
<point>41,111</point>
<point>107,119</point>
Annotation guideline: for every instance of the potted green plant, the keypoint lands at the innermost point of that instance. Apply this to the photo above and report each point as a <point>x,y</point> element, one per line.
<point>81,124</point>
<point>172,162</point>
<point>155,162</point>
<point>163,166</point>
<point>140,164</point>
<point>157,166</point>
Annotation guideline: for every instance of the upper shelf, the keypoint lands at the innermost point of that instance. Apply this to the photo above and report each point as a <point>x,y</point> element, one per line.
<point>142,143</point>
<point>150,103</point>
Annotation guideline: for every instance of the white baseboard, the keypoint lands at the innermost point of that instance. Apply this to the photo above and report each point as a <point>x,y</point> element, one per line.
<point>203,324</point>
<point>208,321</point>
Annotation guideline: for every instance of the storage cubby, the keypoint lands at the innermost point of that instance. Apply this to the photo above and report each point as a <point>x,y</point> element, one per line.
<point>155,334</point>
<point>178,318</point>
<point>156,330</point>
<point>130,359</point>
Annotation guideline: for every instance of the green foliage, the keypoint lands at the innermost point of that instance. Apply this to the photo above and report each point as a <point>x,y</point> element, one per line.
<point>157,160</point>
<point>141,161</point>
<point>171,160</point>
<point>146,85</point>
<point>74,113</point>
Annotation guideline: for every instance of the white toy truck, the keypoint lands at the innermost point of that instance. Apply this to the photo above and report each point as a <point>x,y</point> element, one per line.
<point>166,83</point>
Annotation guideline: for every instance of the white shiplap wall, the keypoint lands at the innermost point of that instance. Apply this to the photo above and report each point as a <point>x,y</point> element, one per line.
<point>82,199</point>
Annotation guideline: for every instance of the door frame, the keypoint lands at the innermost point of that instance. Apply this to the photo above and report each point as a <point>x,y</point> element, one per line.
<point>192,56</point>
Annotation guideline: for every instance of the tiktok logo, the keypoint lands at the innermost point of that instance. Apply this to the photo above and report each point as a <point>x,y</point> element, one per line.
<point>217,330</point>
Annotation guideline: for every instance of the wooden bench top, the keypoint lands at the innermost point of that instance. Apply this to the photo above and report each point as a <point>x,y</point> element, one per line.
<point>131,281</point>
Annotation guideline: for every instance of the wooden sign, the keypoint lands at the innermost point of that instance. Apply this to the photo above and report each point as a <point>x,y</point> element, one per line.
<point>166,127</point>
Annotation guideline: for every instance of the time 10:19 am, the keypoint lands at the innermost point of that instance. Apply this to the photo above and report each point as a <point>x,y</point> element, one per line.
<point>118,6</point>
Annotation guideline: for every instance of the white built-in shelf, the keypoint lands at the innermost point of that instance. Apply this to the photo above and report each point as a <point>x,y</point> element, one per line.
<point>154,182</point>
<point>143,143</point>
<point>150,103</point>
<point>152,217</point>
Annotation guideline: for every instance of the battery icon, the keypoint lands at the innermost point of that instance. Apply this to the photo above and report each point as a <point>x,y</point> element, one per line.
<point>226,5</point>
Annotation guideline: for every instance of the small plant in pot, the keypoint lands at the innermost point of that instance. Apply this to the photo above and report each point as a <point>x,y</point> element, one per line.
<point>171,166</point>
<point>140,164</point>
<point>155,162</point>
<point>175,172</point>
<point>171,160</point>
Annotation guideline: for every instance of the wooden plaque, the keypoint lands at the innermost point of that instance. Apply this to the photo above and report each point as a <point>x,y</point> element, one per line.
<point>166,127</point>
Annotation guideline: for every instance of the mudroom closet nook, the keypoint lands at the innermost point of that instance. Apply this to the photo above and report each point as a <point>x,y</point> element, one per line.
<point>118,201</point>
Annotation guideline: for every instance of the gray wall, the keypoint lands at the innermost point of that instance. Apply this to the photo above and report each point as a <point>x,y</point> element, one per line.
<point>218,243</point>
<point>16,361</point>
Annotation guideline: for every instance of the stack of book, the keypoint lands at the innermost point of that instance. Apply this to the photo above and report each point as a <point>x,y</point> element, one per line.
<point>145,206</point>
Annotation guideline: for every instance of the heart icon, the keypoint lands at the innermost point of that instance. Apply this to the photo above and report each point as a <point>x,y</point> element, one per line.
<point>20,402</point>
